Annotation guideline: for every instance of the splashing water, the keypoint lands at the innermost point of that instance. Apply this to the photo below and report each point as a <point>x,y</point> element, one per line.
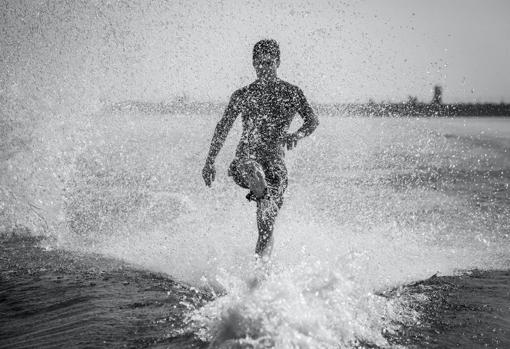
<point>305,306</point>
<point>372,204</point>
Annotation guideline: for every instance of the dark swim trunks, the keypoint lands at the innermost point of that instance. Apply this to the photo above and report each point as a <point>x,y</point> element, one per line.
<point>275,173</point>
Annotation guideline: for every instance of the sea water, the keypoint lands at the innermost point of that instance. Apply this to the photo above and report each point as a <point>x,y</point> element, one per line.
<point>372,204</point>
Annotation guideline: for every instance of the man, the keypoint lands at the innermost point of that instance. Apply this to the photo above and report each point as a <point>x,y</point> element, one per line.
<point>267,107</point>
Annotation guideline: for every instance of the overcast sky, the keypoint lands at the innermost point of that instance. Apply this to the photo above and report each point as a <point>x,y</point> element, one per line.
<point>337,51</point>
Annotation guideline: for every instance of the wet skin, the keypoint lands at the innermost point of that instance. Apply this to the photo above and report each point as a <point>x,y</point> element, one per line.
<point>267,108</point>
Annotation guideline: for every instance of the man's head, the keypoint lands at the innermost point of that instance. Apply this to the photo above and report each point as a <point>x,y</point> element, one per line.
<point>266,57</point>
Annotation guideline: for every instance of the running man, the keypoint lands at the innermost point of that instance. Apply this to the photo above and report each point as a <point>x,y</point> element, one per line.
<point>267,107</point>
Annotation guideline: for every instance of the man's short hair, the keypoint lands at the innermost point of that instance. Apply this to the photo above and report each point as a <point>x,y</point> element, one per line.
<point>266,47</point>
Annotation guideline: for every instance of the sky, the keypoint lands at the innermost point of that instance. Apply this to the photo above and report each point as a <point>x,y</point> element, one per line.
<point>336,51</point>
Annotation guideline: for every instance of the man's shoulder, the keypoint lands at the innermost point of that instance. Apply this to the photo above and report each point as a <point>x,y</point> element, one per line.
<point>240,93</point>
<point>286,84</point>
<point>291,89</point>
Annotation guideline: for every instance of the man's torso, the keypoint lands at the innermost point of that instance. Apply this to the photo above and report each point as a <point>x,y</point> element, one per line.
<point>267,109</point>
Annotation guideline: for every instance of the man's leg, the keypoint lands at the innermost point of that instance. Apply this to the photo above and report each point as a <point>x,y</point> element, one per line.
<point>267,210</point>
<point>269,206</point>
<point>255,178</point>
<point>267,188</point>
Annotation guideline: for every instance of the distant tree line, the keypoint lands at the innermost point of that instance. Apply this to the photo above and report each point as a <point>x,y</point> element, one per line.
<point>187,108</point>
<point>416,109</point>
<point>411,107</point>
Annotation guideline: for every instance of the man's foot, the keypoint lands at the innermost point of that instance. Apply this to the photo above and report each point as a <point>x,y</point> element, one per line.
<point>251,197</point>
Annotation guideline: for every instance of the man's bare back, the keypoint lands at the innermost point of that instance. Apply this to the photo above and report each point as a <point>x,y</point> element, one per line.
<point>267,108</point>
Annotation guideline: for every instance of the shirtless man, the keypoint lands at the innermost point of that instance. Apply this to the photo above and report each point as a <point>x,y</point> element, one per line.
<point>267,107</point>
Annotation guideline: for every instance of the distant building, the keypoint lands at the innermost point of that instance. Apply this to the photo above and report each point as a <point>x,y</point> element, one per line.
<point>438,98</point>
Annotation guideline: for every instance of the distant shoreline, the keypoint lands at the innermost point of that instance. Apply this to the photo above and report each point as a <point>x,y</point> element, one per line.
<point>418,109</point>
<point>370,109</point>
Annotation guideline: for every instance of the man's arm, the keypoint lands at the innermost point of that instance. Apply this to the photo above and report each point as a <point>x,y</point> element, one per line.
<point>310,121</point>
<point>220,134</point>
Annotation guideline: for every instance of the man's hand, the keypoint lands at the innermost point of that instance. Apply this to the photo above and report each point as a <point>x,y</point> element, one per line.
<point>209,172</point>
<point>290,140</point>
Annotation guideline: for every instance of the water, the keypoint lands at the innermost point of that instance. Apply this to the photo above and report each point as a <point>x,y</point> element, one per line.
<point>133,249</point>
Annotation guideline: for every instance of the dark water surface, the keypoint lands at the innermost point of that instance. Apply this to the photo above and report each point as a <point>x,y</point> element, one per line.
<point>467,311</point>
<point>52,298</point>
